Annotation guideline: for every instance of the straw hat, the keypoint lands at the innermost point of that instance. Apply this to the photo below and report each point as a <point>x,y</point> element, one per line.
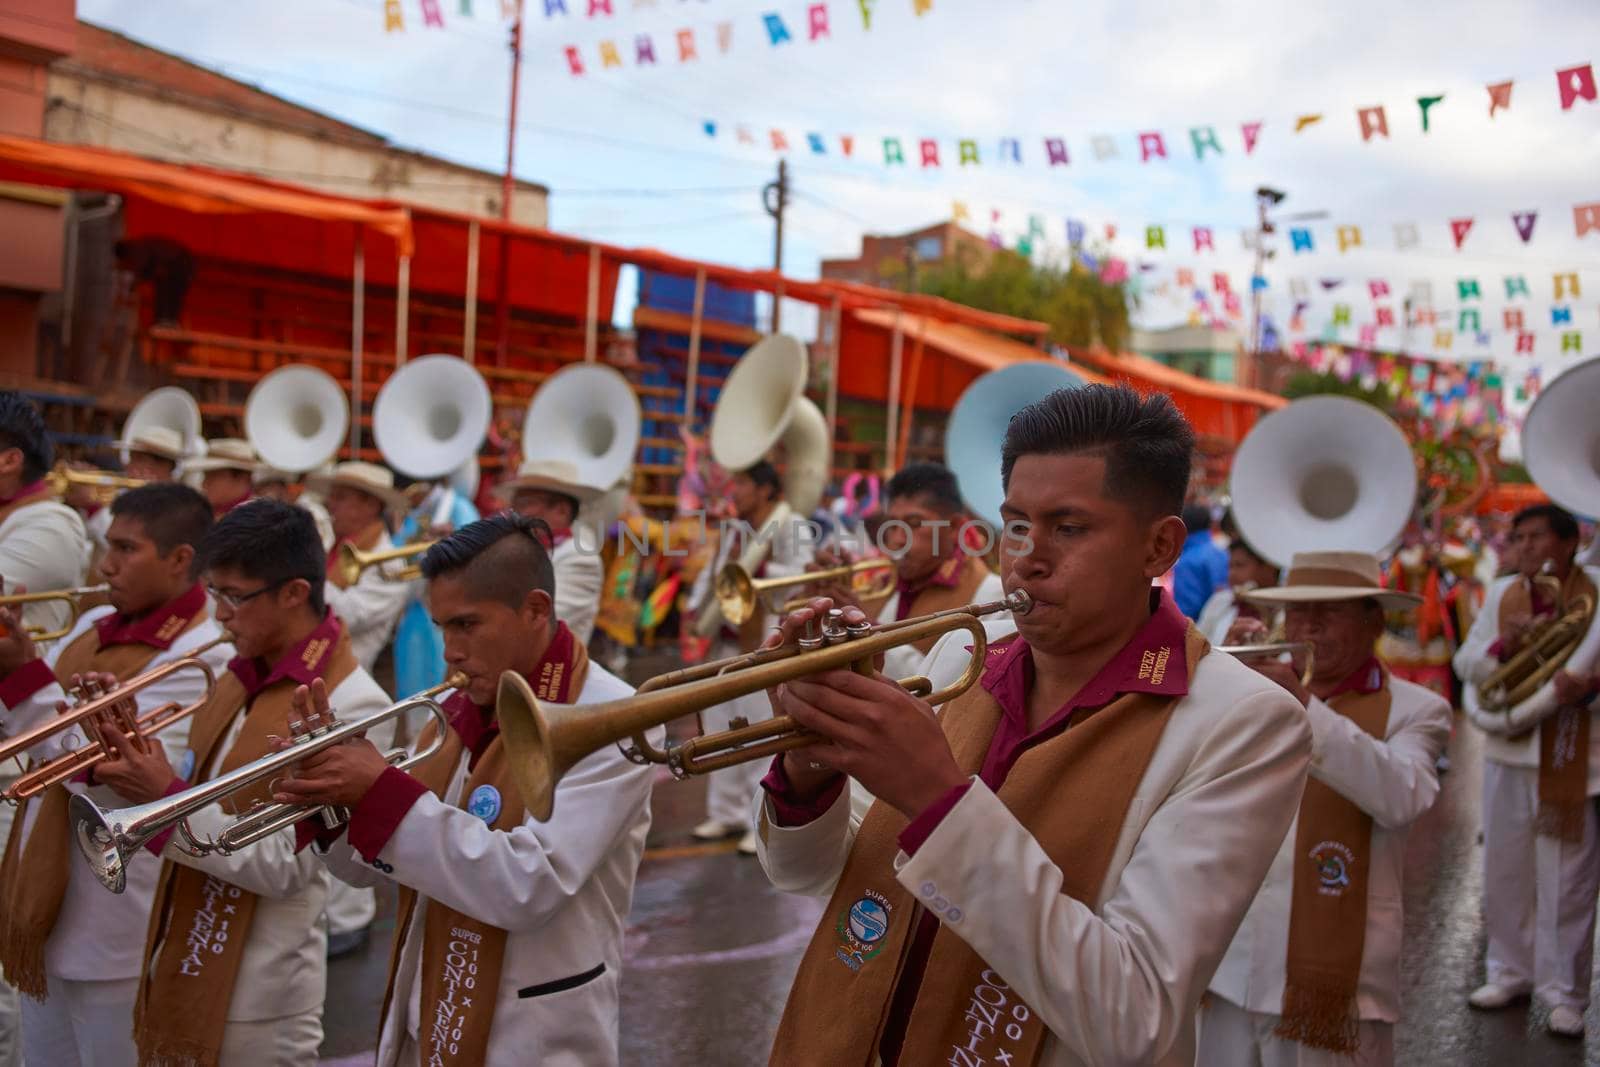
<point>1317,576</point>
<point>225,454</point>
<point>369,478</point>
<point>161,441</point>
<point>551,475</point>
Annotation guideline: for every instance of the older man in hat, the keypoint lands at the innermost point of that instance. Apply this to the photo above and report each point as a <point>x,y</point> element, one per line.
<point>554,491</point>
<point>358,497</point>
<point>1312,976</point>
<point>227,473</point>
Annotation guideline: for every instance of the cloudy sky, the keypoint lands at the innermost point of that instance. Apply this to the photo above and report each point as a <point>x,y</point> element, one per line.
<point>627,154</point>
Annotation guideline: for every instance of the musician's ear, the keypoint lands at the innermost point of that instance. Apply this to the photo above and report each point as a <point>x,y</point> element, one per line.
<point>1164,544</point>
<point>537,608</point>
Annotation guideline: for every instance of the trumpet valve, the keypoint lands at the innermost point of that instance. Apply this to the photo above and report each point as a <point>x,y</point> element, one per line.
<point>811,637</point>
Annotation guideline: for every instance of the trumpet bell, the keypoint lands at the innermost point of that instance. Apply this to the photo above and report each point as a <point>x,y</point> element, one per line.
<point>586,415</point>
<point>763,406</point>
<point>978,423</point>
<point>169,407</point>
<point>736,594</point>
<point>106,840</point>
<point>296,418</point>
<point>431,416</point>
<point>1325,473</point>
<point>1561,439</point>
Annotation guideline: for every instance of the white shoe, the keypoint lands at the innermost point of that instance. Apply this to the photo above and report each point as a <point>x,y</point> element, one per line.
<point>1493,997</point>
<point>715,830</point>
<point>747,847</point>
<point>1565,1022</point>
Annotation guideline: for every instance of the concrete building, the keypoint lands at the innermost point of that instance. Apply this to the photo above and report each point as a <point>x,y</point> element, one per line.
<point>1197,350</point>
<point>884,259</point>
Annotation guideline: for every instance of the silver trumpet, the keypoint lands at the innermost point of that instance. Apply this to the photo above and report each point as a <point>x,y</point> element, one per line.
<point>108,839</point>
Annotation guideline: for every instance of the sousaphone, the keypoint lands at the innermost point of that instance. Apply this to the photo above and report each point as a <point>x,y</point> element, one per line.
<point>296,418</point>
<point>431,416</point>
<point>763,407</point>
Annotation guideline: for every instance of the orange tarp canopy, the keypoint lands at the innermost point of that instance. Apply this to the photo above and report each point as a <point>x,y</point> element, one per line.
<point>1214,408</point>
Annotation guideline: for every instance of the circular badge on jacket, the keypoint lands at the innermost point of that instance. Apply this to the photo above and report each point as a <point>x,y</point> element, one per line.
<point>485,803</point>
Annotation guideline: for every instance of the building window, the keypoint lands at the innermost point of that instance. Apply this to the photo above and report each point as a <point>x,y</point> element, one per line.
<point>929,249</point>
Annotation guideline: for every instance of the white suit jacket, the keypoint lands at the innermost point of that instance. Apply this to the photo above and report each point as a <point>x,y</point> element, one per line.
<point>1392,780</point>
<point>1117,983</point>
<point>44,546</point>
<point>579,577</point>
<point>788,554</point>
<point>1474,663</point>
<point>285,965</point>
<point>561,890</point>
<point>370,608</point>
<point>98,935</point>
<point>903,661</point>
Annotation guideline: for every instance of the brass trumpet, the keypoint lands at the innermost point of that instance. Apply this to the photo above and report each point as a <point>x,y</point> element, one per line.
<point>119,705</point>
<point>544,741</point>
<point>108,839</point>
<point>738,594</point>
<point>74,598</point>
<point>1276,648</point>
<point>106,485</point>
<point>352,561</point>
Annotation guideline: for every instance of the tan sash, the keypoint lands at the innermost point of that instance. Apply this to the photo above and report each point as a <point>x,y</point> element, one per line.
<point>970,573</point>
<point>1564,736</point>
<point>33,874</point>
<point>1328,905</point>
<point>462,956</point>
<point>201,923</point>
<point>1071,791</point>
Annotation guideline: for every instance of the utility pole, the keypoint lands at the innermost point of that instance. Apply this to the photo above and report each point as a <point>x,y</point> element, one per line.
<point>775,198</point>
<point>1266,198</point>
<point>507,189</point>
<point>910,256</point>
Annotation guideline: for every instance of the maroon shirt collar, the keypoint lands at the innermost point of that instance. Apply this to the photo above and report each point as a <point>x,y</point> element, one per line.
<point>1365,679</point>
<point>475,723</point>
<point>302,664</point>
<point>948,575</point>
<point>157,628</point>
<point>1154,661</point>
<point>224,509</point>
<point>26,490</point>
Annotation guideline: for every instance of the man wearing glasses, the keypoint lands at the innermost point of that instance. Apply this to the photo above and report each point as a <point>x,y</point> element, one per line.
<point>235,961</point>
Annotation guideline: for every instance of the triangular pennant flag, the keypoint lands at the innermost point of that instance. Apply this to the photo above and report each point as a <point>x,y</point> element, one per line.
<point>1459,229</point>
<point>1305,120</point>
<point>1426,102</point>
<point>1499,97</point>
<point>1524,221</point>
<point>1252,133</point>
<point>710,128</point>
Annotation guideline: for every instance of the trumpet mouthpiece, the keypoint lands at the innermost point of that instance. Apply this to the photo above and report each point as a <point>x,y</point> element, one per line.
<point>1019,602</point>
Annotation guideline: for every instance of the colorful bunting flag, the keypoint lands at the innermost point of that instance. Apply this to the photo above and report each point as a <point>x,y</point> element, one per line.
<point>1576,83</point>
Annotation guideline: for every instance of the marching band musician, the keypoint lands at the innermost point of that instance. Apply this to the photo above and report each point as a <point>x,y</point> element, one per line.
<point>43,545</point>
<point>1054,865</point>
<point>1246,571</point>
<point>933,570</point>
<point>358,495</point>
<point>531,909</point>
<point>274,484</point>
<point>551,491</point>
<point>73,949</point>
<point>227,473</point>
<point>153,455</point>
<point>234,964</point>
<point>1313,974</point>
<point>1541,848</point>
<point>771,550</point>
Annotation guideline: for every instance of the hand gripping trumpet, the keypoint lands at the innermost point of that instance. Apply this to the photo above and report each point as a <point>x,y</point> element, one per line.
<point>74,598</point>
<point>108,839</point>
<point>738,594</point>
<point>1277,648</point>
<point>119,707</point>
<point>544,741</point>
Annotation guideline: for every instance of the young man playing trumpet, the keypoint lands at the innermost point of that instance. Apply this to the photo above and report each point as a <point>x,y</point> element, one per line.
<point>72,948</point>
<point>933,570</point>
<point>1312,978</point>
<point>509,939</point>
<point>234,961</point>
<point>1049,870</point>
<point>1541,836</point>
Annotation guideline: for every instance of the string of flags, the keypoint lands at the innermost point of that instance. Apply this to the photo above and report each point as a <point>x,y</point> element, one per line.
<point>1205,143</point>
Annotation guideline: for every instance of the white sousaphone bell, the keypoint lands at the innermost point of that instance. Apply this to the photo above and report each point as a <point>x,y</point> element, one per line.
<point>431,416</point>
<point>1561,439</point>
<point>296,418</point>
<point>763,405</point>
<point>170,407</point>
<point>1325,473</point>
<point>977,428</point>
<point>586,415</point>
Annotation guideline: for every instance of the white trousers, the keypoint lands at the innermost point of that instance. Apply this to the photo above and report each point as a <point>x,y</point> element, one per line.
<point>291,1041</point>
<point>1540,929</point>
<point>10,1002</point>
<point>349,908</point>
<point>1230,1036</point>
<point>730,792</point>
<point>81,1024</point>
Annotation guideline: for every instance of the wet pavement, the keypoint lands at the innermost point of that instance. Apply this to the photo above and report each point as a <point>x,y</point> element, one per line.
<point>711,950</point>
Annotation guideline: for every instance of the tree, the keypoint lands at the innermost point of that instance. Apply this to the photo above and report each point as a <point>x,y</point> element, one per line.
<point>1317,383</point>
<point>1080,308</point>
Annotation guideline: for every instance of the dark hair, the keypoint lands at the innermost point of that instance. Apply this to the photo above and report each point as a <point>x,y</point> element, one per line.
<point>1560,520</point>
<point>933,482</point>
<point>502,558</point>
<point>1196,517</point>
<point>171,514</point>
<point>270,541</point>
<point>1147,444</point>
<point>1239,544</point>
<point>764,473</point>
<point>22,427</point>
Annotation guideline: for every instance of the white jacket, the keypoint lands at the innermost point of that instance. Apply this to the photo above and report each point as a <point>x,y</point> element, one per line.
<point>562,890</point>
<point>285,965</point>
<point>1117,983</point>
<point>99,936</point>
<point>788,554</point>
<point>43,546</point>
<point>370,608</point>
<point>1392,780</point>
<point>904,661</point>
<point>579,578</point>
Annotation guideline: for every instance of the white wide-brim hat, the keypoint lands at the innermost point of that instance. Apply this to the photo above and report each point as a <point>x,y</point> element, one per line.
<point>551,475</point>
<point>161,441</point>
<point>1315,576</point>
<point>368,478</point>
<point>226,454</point>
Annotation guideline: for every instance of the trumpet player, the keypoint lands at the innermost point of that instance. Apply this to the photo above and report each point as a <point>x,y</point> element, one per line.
<point>42,541</point>
<point>1247,570</point>
<point>552,491</point>
<point>153,455</point>
<point>1541,851</point>
<point>227,473</point>
<point>933,567</point>
<point>1050,869</point>
<point>71,948</point>
<point>1312,978</point>
<point>359,495</point>
<point>509,937</point>
<point>234,962</point>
